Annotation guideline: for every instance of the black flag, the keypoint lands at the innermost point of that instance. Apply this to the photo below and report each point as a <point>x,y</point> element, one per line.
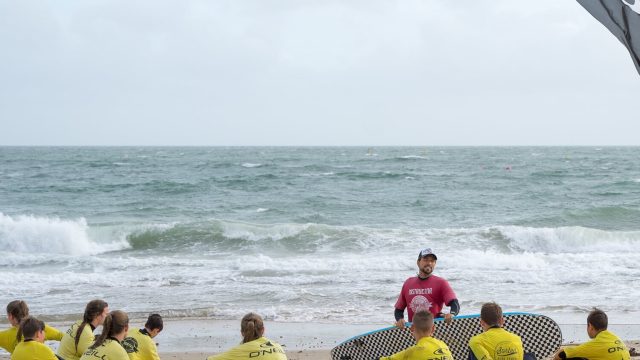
<point>622,18</point>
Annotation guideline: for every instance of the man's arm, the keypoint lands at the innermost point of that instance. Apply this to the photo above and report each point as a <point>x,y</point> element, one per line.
<point>477,350</point>
<point>454,310</point>
<point>399,315</point>
<point>454,306</point>
<point>404,354</point>
<point>559,355</point>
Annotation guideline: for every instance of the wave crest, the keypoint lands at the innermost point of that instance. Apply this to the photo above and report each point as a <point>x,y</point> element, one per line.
<point>28,234</point>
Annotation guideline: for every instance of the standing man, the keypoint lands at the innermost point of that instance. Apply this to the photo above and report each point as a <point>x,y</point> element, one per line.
<point>604,345</point>
<point>495,343</point>
<point>426,292</point>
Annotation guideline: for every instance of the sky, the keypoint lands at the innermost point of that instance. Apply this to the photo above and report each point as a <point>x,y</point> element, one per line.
<point>315,72</point>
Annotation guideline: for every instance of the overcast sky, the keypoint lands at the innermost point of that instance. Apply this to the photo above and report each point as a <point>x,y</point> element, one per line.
<point>277,72</point>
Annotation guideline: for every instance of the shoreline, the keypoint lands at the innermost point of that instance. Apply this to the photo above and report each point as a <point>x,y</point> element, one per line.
<point>192,339</point>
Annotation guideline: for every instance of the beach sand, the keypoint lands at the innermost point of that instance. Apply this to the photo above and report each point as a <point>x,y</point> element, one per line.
<point>300,354</point>
<point>192,339</point>
<point>325,354</point>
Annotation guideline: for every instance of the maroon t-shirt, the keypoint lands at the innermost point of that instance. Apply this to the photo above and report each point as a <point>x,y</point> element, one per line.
<point>428,294</point>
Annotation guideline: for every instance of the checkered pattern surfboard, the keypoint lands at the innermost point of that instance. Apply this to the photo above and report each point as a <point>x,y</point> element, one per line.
<point>540,336</point>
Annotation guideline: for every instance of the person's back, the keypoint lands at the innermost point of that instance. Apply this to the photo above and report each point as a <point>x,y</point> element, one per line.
<point>69,349</point>
<point>32,348</point>
<point>110,349</point>
<point>497,344</point>
<point>494,343</point>
<point>139,343</point>
<point>262,347</point>
<point>604,345</point>
<point>427,347</point>
<point>254,344</point>
<point>107,345</point>
<point>73,345</point>
<point>18,310</point>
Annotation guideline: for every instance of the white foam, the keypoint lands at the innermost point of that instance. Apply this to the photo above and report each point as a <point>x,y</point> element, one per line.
<point>261,210</point>
<point>412,157</point>
<point>28,234</point>
<point>250,165</point>
<point>256,232</point>
<point>573,239</point>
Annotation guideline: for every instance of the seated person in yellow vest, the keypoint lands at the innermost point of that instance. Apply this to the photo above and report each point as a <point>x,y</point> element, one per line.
<point>139,343</point>
<point>604,345</point>
<point>18,310</point>
<point>108,344</point>
<point>494,343</point>
<point>80,335</point>
<point>254,344</point>
<point>32,347</point>
<point>426,347</point>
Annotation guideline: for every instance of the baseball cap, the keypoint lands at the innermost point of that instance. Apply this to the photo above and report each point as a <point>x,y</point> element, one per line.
<point>426,252</point>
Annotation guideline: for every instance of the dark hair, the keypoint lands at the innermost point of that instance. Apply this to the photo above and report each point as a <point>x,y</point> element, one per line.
<point>93,309</point>
<point>423,321</point>
<point>18,309</point>
<point>29,326</point>
<point>115,322</point>
<point>251,327</point>
<point>154,322</point>
<point>491,313</point>
<point>598,319</point>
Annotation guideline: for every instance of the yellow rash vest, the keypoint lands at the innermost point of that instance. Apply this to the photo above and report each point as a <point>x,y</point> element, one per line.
<point>68,349</point>
<point>109,350</point>
<point>605,346</point>
<point>8,337</point>
<point>140,346</point>
<point>427,348</point>
<point>259,349</point>
<point>32,350</point>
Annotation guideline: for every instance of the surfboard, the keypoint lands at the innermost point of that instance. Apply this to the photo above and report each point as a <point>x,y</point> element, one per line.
<point>540,335</point>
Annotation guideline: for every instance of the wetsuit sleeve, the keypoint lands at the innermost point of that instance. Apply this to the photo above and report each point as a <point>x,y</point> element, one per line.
<point>455,307</point>
<point>152,352</point>
<point>51,333</point>
<point>584,350</point>
<point>402,355</point>
<point>6,340</point>
<point>448,294</point>
<point>478,350</point>
<point>401,303</point>
<point>399,314</point>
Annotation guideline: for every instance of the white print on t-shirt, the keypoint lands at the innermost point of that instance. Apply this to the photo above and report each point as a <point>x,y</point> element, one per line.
<point>420,303</point>
<point>427,291</point>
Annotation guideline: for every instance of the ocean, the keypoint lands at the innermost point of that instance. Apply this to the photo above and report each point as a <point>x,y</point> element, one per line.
<point>318,234</point>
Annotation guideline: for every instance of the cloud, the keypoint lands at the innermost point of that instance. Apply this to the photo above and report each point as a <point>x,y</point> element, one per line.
<point>312,72</point>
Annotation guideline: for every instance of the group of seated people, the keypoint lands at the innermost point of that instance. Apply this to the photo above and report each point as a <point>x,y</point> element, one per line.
<point>25,338</point>
<point>496,343</point>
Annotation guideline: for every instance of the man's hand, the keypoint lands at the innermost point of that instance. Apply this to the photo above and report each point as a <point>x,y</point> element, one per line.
<point>448,318</point>
<point>400,323</point>
<point>556,356</point>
